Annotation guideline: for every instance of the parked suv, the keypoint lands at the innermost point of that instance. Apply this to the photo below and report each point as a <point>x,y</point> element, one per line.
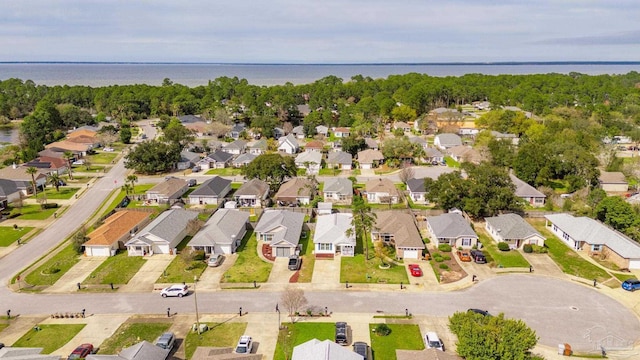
<point>341,333</point>
<point>166,341</point>
<point>362,349</point>
<point>478,257</point>
<point>294,262</point>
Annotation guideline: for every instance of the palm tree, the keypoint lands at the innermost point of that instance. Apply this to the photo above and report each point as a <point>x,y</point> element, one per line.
<point>54,179</point>
<point>132,179</point>
<point>33,171</point>
<point>68,155</point>
<point>127,188</point>
<point>363,219</point>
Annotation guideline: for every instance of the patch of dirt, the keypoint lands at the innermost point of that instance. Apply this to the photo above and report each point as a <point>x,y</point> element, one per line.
<point>454,271</point>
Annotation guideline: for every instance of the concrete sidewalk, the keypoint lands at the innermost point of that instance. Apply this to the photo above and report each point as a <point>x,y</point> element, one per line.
<point>149,273</point>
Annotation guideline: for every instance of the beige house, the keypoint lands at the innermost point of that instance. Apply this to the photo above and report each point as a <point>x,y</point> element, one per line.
<point>382,191</point>
<point>168,191</point>
<point>116,230</point>
<point>513,230</point>
<point>399,229</point>
<point>369,159</point>
<point>613,181</point>
<point>296,191</point>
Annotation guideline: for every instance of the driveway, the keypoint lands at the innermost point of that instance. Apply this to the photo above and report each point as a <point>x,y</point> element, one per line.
<point>145,278</point>
<point>80,271</point>
<point>210,278</point>
<point>280,274</point>
<point>326,271</point>
<point>98,328</point>
<point>543,265</point>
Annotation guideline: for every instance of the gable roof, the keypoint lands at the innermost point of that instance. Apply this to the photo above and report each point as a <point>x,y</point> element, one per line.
<point>7,187</point>
<point>169,186</point>
<point>450,226</point>
<point>314,144</point>
<point>315,349</point>
<point>512,226</point>
<point>189,156</point>
<point>236,145</point>
<point>371,143</point>
<point>298,130</point>
<point>143,350</point>
<point>402,226</point>
<point>290,222</point>
<point>525,190</point>
<point>432,152</point>
<point>169,224</point>
<point>66,145</point>
<point>416,185</point>
<point>594,232</point>
<point>187,119</point>
<point>369,156</point>
<point>381,186</point>
<point>47,162</point>
<point>220,228</point>
<point>400,125</point>
<point>466,153</point>
<point>116,226</point>
<point>260,144</point>
<point>612,177</point>
<point>290,139</point>
<point>449,140</point>
<point>338,185</point>
<point>215,186</point>
<point>221,353</point>
<point>339,157</point>
<point>253,187</point>
<point>243,159</point>
<point>82,133</point>
<point>296,187</point>
<point>220,156</point>
<point>418,140</point>
<point>314,157</point>
<point>19,173</point>
<point>331,229</point>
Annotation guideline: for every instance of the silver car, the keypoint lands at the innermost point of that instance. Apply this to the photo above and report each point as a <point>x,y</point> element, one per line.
<point>215,260</point>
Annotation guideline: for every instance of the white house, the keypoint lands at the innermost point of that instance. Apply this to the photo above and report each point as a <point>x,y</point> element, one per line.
<point>382,191</point>
<point>222,233</point>
<point>513,230</point>
<point>163,234</point>
<point>417,192</point>
<point>288,144</point>
<point>330,237</point>
<point>309,160</point>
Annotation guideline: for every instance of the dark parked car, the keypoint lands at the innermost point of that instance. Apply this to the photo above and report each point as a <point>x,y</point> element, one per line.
<point>294,262</point>
<point>361,348</point>
<point>478,257</point>
<point>631,284</point>
<point>479,311</point>
<point>81,352</point>
<point>341,333</point>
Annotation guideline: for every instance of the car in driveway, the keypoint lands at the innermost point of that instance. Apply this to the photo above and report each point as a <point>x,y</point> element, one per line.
<point>294,262</point>
<point>415,270</point>
<point>178,290</point>
<point>81,352</point>
<point>341,333</point>
<point>245,344</point>
<point>432,341</point>
<point>478,257</point>
<point>361,348</point>
<point>464,255</point>
<point>631,284</point>
<point>215,260</point>
<point>166,341</point>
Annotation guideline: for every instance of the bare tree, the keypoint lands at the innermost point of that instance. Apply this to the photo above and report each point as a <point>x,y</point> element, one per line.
<point>406,173</point>
<point>221,116</point>
<point>193,226</point>
<point>293,299</point>
<point>217,129</point>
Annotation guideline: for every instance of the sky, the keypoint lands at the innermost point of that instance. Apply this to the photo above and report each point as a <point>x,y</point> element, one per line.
<point>319,31</point>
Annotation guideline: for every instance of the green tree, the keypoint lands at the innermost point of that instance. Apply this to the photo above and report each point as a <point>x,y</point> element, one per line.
<point>132,179</point>
<point>398,149</point>
<point>271,168</point>
<point>151,157</point>
<point>125,134</point>
<point>617,213</point>
<point>54,179</point>
<point>403,113</point>
<point>33,171</point>
<point>176,134</point>
<point>364,219</point>
<point>353,144</point>
<point>69,156</point>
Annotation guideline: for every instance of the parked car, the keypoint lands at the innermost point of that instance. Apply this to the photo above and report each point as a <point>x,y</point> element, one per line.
<point>631,284</point>
<point>478,257</point>
<point>166,341</point>
<point>479,311</point>
<point>78,162</point>
<point>361,348</point>
<point>107,149</point>
<point>215,260</point>
<point>432,341</point>
<point>415,270</point>
<point>192,182</point>
<point>245,344</point>
<point>81,352</point>
<point>464,255</point>
<point>178,290</point>
<point>294,262</point>
<point>196,168</point>
<point>62,183</point>
<point>341,333</point>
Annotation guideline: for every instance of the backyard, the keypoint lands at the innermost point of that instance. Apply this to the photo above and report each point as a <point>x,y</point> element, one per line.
<point>9,235</point>
<point>118,269</point>
<point>49,337</point>
<point>248,266</point>
<point>218,335</point>
<point>293,334</point>
<point>138,189</point>
<point>133,331</point>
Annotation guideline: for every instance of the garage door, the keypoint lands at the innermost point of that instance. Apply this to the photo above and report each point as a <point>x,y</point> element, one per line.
<point>410,254</point>
<point>634,263</point>
<point>98,251</point>
<point>282,252</point>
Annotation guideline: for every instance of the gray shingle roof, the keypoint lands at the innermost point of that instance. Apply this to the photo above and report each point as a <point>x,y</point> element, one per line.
<point>332,229</point>
<point>512,226</point>
<point>189,156</point>
<point>450,226</point>
<point>260,144</point>
<point>338,185</point>
<point>525,190</point>
<point>314,157</point>
<point>236,145</point>
<point>432,152</point>
<point>323,350</point>
<point>369,156</point>
<point>612,177</point>
<point>221,156</point>
<point>449,140</point>
<point>220,228</point>
<point>289,221</point>
<point>416,185</point>
<point>339,157</point>
<point>7,187</point>
<point>169,224</point>
<point>215,186</point>
<point>255,187</point>
<point>402,226</point>
<point>244,159</point>
<point>169,187</point>
<point>143,350</point>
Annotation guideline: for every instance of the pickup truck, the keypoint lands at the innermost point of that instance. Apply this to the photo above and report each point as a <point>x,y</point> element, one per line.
<point>294,262</point>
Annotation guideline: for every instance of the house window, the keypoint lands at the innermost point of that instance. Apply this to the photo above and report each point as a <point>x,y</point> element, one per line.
<point>343,197</point>
<point>565,236</point>
<point>386,237</point>
<point>328,247</point>
<point>596,247</point>
<point>267,237</point>
<point>466,242</point>
<point>555,228</point>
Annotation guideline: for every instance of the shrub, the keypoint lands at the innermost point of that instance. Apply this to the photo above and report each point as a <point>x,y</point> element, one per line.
<point>49,205</point>
<point>539,249</point>
<point>503,246</point>
<point>427,240</point>
<point>15,213</point>
<point>444,266</point>
<point>527,248</point>
<point>444,247</point>
<point>383,330</point>
<point>447,257</point>
<point>198,255</point>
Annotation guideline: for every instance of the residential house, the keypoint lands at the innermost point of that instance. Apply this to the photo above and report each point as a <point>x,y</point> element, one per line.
<point>211,192</point>
<point>468,131</point>
<point>222,233</point>
<point>338,190</point>
<point>314,145</point>
<point>111,236</point>
<point>513,230</point>
<point>613,181</point>
<point>199,129</point>
<point>315,349</point>
<point>309,160</point>
<point>216,160</point>
<point>339,160</point>
<point>253,193</point>
<point>528,114</point>
<point>189,119</point>
<point>78,149</point>
<point>594,237</point>
<point>433,156</point>
<point>8,193</point>
<point>425,126</point>
<point>296,191</point>
<point>52,165</point>
<point>513,138</point>
<point>243,160</point>
<point>236,130</point>
<point>303,110</point>
<point>419,141</point>
<point>322,130</point>
<point>402,125</point>
<point>330,237</point>
<point>18,174</point>
<point>278,133</point>
<point>84,136</point>
<point>259,147</point>
<point>25,353</point>
<point>298,132</point>
<point>464,153</point>
<point>446,141</point>
<point>382,191</point>
<point>143,350</point>
<point>288,144</point>
<point>168,191</point>
<point>163,234</point>
<point>341,132</point>
<point>236,148</point>
<point>417,192</point>
<point>398,229</point>
<point>371,144</point>
<point>187,160</point>
<point>528,193</point>
<point>451,228</point>
<point>369,159</point>
<point>281,229</point>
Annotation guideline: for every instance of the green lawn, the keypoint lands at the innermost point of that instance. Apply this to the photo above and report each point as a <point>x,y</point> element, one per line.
<point>331,172</point>
<point>569,261</point>
<point>356,270</point>
<point>117,269</point>
<point>138,189</point>
<point>35,212</point>
<point>450,162</point>
<point>249,266</point>
<point>218,335</point>
<point>131,333</point>
<point>402,336</point>
<point>102,157</point>
<point>8,235</point>
<point>64,193</point>
<point>50,337</point>
<point>49,272</point>
<point>224,172</point>
<point>506,259</point>
<point>308,258</point>
<point>295,334</point>
<point>182,268</point>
